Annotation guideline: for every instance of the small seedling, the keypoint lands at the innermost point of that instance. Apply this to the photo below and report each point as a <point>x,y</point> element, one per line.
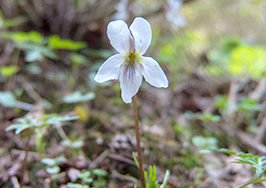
<point>52,165</point>
<point>88,179</point>
<point>257,163</point>
<point>153,183</point>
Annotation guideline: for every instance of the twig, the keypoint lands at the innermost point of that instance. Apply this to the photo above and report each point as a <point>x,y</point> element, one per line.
<point>115,174</point>
<point>252,143</point>
<point>15,182</point>
<point>99,159</point>
<point>32,155</point>
<point>260,133</point>
<point>136,116</point>
<point>122,159</point>
<point>29,89</point>
<point>25,163</point>
<point>23,105</point>
<point>259,91</point>
<point>232,98</point>
<point>61,132</point>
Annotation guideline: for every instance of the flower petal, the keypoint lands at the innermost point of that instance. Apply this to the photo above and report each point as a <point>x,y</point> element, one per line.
<point>175,4</point>
<point>130,80</point>
<point>153,73</point>
<point>109,70</point>
<point>141,31</point>
<point>120,36</point>
<point>180,21</point>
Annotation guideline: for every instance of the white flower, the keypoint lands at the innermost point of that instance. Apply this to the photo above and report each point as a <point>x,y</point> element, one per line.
<point>121,10</point>
<point>173,14</point>
<point>128,66</point>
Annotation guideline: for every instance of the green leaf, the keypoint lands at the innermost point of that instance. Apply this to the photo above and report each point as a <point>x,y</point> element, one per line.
<point>166,177</point>
<point>204,143</point>
<point>34,69</point>
<point>77,144</point>
<point>53,170</point>
<point>89,180</point>
<point>224,150</point>
<point>32,56</point>
<point>59,160</point>
<point>8,71</point>
<point>22,37</point>
<point>78,97</point>
<point>47,105</point>
<point>152,175</point>
<point>99,172</point>
<point>14,22</point>
<point>38,49</point>
<point>97,53</point>
<point>66,143</point>
<point>7,99</point>
<point>135,159</point>
<point>24,120</point>
<point>99,183</point>
<point>247,104</point>
<point>19,127</point>
<point>237,59</point>
<point>76,185</point>
<point>208,117</point>
<point>85,174</point>
<point>58,119</point>
<point>49,161</point>
<point>78,58</point>
<point>54,42</point>
<point>244,155</point>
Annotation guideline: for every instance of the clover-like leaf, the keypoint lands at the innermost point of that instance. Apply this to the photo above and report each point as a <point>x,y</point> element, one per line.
<point>66,143</point>
<point>77,144</point>
<point>76,185</point>
<point>78,97</point>
<point>205,143</point>
<point>7,99</point>
<point>99,172</point>
<point>89,180</point>
<point>49,161</point>
<point>53,170</point>
<point>32,56</point>
<point>85,174</point>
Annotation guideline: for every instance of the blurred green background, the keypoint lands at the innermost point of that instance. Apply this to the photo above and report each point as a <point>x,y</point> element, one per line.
<point>50,51</point>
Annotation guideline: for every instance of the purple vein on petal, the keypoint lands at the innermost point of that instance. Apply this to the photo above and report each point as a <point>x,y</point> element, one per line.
<point>130,71</point>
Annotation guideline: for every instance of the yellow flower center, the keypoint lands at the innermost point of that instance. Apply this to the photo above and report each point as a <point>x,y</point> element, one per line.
<point>131,59</point>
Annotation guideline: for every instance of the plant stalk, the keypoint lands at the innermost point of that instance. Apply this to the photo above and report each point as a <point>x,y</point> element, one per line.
<point>253,180</point>
<point>25,162</point>
<point>136,116</point>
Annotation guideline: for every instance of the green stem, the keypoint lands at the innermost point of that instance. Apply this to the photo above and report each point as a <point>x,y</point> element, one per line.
<point>253,180</point>
<point>141,174</point>
<point>61,132</point>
